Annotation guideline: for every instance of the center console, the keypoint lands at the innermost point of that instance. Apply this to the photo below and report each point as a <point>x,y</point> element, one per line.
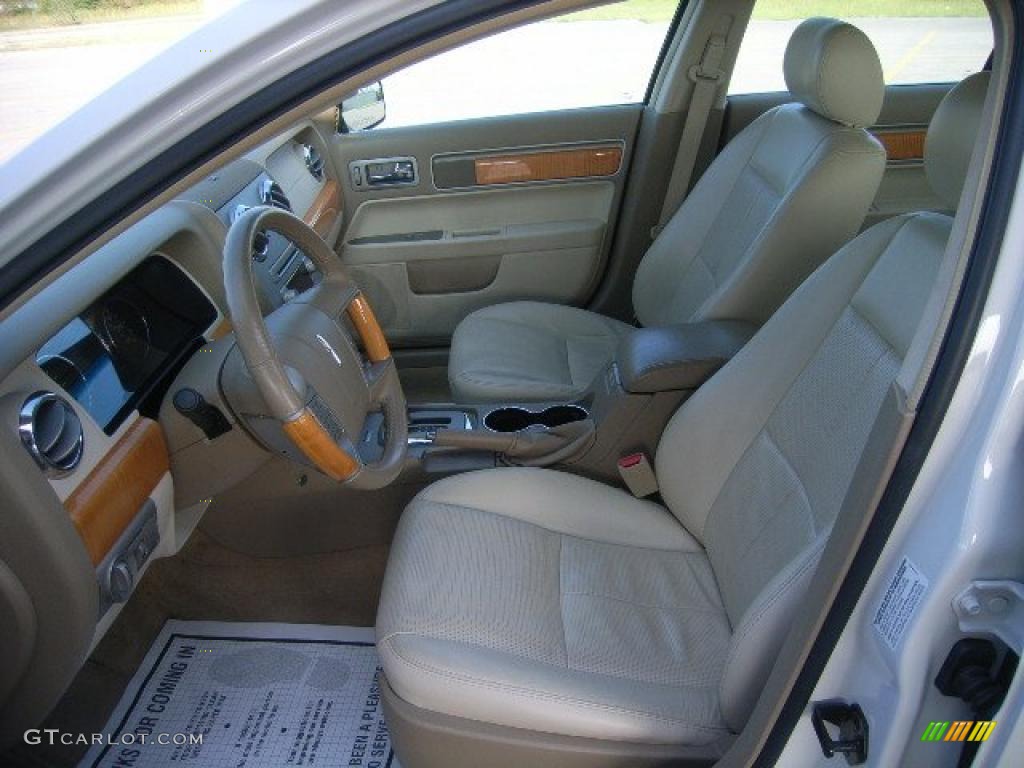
<point>624,411</point>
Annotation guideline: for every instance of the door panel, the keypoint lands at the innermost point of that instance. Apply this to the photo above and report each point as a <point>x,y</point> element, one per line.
<point>901,127</point>
<point>496,210</point>
<point>458,252</point>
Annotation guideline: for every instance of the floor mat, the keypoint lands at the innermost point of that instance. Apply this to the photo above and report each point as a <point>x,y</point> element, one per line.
<point>251,696</point>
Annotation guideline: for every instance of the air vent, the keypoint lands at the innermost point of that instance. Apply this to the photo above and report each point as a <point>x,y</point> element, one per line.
<point>314,163</point>
<point>272,194</point>
<point>51,432</point>
<point>260,246</point>
<point>260,241</point>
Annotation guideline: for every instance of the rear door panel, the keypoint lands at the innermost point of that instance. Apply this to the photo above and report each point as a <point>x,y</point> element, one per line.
<point>501,209</point>
<point>906,113</point>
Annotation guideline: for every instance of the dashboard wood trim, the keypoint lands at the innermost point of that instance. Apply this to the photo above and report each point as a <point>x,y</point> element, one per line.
<point>106,502</point>
<point>322,214</point>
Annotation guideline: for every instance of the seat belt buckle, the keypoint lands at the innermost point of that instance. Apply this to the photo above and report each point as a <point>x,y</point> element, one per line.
<point>638,475</point>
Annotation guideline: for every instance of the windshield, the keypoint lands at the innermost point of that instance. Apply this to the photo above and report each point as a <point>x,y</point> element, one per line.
<point>57,55</point>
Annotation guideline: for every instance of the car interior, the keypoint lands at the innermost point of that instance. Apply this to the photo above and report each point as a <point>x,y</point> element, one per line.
<point>568,405</point>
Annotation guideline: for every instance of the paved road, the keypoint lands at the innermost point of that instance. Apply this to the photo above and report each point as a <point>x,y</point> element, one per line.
<point>45,75</point>
<point>911,50</point>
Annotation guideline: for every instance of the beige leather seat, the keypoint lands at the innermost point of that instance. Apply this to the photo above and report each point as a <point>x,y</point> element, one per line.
<point>528,614</point>
<point>782,197</point>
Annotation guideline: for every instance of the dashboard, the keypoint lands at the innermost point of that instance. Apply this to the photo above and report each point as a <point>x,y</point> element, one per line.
<point>119,350</point>
<point>118,355</point>
<point>108,472</point>
<point>109,336</point>
<point>293,176</point>
<point>281,271</point>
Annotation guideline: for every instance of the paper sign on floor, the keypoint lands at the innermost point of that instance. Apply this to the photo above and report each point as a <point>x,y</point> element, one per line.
<point>236,695</point>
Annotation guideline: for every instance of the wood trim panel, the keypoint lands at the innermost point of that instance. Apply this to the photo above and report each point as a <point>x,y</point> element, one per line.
<point>325,208</point>
<point>106,502</point>
<point>902,145</point>
<point>551,165</point>
<point>316,444</point>
<point>361,314</point>
<point>222,329</point>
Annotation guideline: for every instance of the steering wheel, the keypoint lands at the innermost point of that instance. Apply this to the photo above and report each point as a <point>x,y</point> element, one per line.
<point>305,365</point>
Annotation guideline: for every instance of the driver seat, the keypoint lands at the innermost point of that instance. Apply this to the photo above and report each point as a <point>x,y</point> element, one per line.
<point>533,617</point>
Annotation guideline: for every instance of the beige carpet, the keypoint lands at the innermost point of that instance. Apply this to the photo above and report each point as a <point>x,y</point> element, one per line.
<point>209,581</point>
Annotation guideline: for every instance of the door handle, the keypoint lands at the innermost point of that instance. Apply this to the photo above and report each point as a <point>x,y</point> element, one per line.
<point>389,171</point>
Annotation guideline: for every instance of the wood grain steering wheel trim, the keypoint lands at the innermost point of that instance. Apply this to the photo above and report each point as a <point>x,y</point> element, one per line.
<point>366,325</point>
<point>310,437</point>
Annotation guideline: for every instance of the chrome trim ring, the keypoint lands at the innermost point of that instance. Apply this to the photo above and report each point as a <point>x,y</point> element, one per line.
<point>70,447</point>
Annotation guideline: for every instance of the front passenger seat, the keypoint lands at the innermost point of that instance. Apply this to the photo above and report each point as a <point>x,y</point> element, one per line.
<point>781,197</point>
<point>536,618</point>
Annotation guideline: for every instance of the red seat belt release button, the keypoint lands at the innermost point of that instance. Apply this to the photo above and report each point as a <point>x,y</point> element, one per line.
<point>638,475</point>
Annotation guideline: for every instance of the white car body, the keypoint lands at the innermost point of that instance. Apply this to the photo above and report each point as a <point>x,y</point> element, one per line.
<point>961,522</point>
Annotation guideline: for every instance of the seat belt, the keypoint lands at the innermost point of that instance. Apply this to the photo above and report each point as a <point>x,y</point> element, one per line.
<point>706,76</point>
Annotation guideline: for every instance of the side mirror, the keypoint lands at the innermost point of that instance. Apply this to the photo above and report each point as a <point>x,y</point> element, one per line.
<point>363,110</point>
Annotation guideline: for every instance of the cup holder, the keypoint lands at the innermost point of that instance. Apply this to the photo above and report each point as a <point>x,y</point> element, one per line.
<point>512,419</point>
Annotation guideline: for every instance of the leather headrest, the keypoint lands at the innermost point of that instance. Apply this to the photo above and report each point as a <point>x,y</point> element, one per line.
<point>833,69</point>
<point>951,134</point>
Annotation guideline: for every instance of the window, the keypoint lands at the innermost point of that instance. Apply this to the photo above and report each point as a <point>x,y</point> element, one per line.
<point>918,41</point>
<point>590,58</point>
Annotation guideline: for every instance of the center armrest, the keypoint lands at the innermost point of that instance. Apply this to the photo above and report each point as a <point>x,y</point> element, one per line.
<point>678,357</point>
